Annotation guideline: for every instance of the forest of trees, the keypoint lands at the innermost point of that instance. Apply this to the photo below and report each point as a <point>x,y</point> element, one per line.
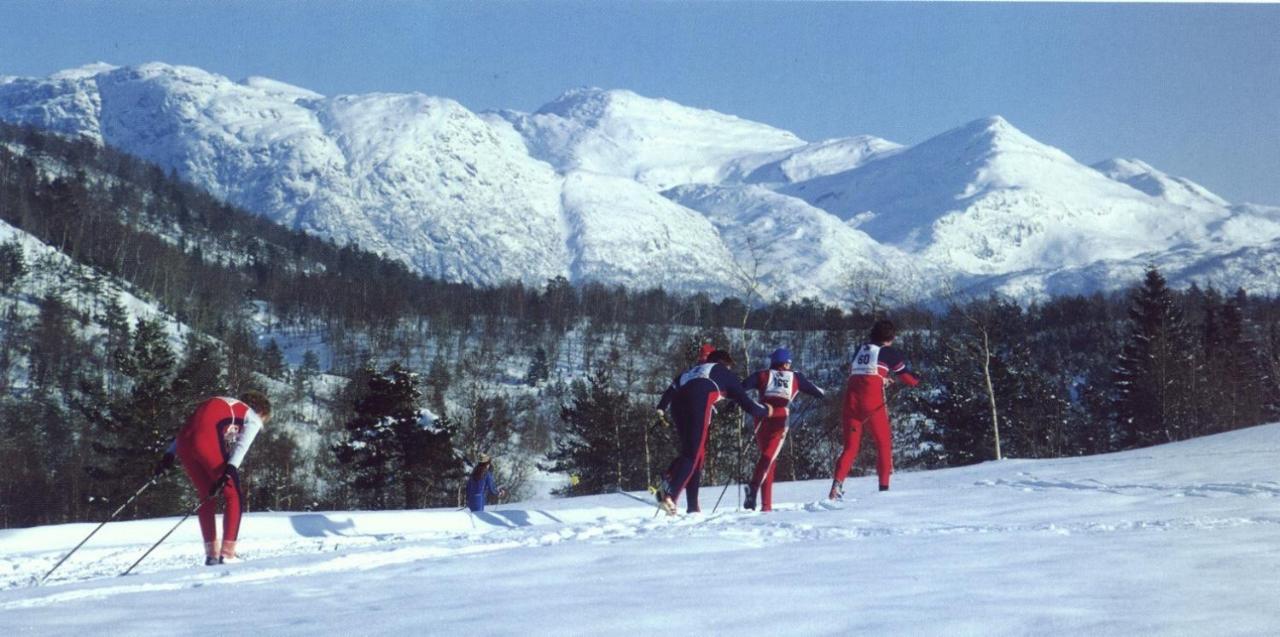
<point>387,383</point>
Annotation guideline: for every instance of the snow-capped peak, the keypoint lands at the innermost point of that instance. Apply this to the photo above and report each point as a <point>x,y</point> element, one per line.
<point>282,89</point>
<point>1144,177</point>
<point>657,142</point>
<point>82,72</point>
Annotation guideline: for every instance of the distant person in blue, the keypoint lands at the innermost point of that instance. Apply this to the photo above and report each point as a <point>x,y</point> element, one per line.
<point>480,484</point>
<point>691,398</point>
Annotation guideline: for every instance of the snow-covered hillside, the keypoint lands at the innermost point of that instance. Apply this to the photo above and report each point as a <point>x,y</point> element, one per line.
<point>1178,539</point>
<point>569,190</point>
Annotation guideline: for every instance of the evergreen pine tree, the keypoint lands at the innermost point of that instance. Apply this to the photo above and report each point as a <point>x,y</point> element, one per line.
<point>539,371</point>
<point>599,442</point>
<point>1152,382</point>
<point>13,265</point>
<point>131,433</point>
<point>388,449</point>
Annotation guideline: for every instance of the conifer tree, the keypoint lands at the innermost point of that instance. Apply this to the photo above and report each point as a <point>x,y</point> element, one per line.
<point>600,441</point>
<point>388,449</point>
<point>130,434</point>
<point>539,370</point>
<point>1153,398</point>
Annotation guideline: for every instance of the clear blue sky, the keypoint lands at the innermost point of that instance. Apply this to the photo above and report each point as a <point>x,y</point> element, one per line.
<point>1192,89</point>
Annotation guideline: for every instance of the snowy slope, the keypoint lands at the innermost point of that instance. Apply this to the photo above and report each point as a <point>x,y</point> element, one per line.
<point>1144,177</point>
<point>621,231</point>
<point>656,142</point>
<point>807,162</point>
<point>1178,539</point>
<point>804,251</point>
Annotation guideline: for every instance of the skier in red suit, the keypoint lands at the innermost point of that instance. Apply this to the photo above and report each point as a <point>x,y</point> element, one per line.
<point>875,365</point>
<point>212,445</point>
<point>777,386</point>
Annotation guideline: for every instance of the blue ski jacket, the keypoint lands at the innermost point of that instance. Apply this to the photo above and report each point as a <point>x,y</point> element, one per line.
<point>479,490</point>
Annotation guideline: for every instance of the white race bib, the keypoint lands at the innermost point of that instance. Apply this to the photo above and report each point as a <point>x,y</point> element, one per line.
<point>695,372</point>
<point>866,361</point>
<point>781,384</point>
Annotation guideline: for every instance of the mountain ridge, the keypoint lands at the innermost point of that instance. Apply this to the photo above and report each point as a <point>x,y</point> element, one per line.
<point>504,195</point>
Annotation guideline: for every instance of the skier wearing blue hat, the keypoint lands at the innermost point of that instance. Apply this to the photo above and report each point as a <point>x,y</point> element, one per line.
<point>777,387</point>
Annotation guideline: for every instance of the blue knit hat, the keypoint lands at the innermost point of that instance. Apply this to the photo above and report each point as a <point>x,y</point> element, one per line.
<point>780,356</point>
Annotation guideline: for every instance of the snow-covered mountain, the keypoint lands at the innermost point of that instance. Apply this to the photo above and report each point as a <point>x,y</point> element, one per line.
<point>656,142</point>
<point>612,186</point>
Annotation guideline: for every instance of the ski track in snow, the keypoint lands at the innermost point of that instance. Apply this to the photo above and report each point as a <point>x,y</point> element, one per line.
<point>803,522</point>
<point>1184,533</point>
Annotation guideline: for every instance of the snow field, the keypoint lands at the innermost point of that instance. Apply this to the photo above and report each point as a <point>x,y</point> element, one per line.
<point>1178,539</point>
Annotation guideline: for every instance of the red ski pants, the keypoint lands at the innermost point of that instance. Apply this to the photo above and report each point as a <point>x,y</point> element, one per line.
<point>865,406</point>
<point>770,434</point>
<point>201,454</point>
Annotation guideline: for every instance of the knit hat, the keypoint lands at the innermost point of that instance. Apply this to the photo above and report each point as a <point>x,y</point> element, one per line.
<point>705,351</point>
<point>779,357</point>
<point>484,459</point>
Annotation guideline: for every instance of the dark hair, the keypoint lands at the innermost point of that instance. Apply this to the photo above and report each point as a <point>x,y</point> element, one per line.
<point>257,401</point>
<point>720,356</point>
<point>882,332</point>
<point>477,472</point>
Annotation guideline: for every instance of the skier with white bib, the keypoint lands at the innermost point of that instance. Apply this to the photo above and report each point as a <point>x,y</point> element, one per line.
<point>212,445</point>
<point>777,386</point>
<point>875,365</point>
<point>692,397</point>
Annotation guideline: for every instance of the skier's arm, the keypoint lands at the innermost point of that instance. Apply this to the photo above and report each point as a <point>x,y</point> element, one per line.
<point>252,424</point>
<point>908,378</point>
<point>667,396</point>
<point>752,383</point>
<point>166,461</point>
<point>730,385</point>
<point>809,388</point>
<point>897,364</point>
<point>489,486</point>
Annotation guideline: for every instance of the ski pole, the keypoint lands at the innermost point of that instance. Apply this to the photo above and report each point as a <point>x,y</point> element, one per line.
<point>99,527</point>
<point>737,468</point>
<point>166,535</point>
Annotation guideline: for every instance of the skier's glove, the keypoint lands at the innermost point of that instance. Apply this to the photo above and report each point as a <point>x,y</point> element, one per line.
<point>228,474</point>
<point>163,467</point>
<point>662,419</point>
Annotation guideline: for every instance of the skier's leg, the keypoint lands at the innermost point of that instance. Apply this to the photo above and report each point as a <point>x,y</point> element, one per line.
<point>879,424</point>
<point>231,518</point>
<point>766,488</point>
<point>762,463</point>
<point>691,428</point>
<point>852,441</point>
<point>200,464</point>
<point>695,482</point>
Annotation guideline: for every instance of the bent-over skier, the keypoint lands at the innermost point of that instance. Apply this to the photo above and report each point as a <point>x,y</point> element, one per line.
<point>212,446</point>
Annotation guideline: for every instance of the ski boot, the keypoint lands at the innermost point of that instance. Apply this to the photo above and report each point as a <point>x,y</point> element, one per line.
<point>663,495</point>
<point>837,491</point>
<point>750,501</point>
<point>884,487</point>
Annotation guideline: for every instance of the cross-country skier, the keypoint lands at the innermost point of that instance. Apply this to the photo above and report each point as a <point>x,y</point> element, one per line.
<point>875,365</point>
<point>212,446</point>
<point>691,397</point>
<point>777,387</point>
<point>480,484</point>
